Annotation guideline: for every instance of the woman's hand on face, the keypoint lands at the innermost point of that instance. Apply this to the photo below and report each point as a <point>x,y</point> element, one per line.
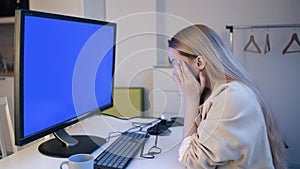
<point>190,86</point>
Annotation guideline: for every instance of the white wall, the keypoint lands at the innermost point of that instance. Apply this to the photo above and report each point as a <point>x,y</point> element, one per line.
<point>94,9</point>
<point>66,7</point>
<point>136,43</point>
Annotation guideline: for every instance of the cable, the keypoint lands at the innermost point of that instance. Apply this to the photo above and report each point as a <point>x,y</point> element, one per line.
<point>136,125</point>
<point>135,117</point>
<point>129,118</point>
<point>120,118</point>
<point>110,135</point>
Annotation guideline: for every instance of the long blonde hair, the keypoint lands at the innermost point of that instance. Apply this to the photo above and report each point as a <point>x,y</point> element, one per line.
<point>222,65</point>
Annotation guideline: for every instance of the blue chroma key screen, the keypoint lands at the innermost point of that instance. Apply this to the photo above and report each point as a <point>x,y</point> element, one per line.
<point>67,70</point>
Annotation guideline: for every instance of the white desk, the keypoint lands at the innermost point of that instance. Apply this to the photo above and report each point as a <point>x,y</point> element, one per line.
<point>30,157</point>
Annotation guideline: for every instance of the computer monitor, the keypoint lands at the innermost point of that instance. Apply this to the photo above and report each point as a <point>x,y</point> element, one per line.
<point>64,68</point>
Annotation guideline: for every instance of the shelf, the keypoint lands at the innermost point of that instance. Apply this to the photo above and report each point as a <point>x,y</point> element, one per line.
<point>5,20</point>
<point>6,74</point>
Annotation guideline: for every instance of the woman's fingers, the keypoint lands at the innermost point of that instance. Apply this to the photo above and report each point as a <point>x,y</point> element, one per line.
<point>185,71</point>
<point>176,78</point>
<point>202,79</point>
<point>177,74</point>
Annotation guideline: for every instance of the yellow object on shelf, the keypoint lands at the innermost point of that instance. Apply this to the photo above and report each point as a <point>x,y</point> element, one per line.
<point>128,102</point>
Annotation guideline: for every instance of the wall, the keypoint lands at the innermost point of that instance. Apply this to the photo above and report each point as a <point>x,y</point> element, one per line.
<point>66,7</point>
<point>136,43</point>
<point>276,74</point>
<point>94,9</point>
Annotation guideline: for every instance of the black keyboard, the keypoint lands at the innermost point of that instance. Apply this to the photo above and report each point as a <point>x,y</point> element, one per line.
<point>119,154</point>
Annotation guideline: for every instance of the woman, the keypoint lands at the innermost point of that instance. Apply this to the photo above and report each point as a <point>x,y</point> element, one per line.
<point>227,123</point>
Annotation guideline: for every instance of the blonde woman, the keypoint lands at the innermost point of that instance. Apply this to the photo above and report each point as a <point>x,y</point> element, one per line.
<point>227,123</point>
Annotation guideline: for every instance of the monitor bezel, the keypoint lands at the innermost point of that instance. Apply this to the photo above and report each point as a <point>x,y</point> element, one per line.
<point>20,139</point>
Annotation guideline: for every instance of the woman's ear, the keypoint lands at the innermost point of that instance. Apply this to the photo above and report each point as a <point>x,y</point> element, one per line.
<point>201,63</point>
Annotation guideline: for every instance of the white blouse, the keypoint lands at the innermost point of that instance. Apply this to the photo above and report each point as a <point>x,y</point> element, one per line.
<point>231,132</point>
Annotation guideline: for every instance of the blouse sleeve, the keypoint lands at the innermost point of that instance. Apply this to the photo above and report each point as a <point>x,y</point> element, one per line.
<point>184,145</point>
<point>223,133</point>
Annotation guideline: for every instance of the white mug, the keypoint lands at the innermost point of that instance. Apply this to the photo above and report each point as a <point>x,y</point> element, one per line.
<point>79,161</point>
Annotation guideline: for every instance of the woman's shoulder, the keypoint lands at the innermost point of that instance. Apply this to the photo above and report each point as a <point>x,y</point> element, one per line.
<point>234,89</point>
<point>235,94</point>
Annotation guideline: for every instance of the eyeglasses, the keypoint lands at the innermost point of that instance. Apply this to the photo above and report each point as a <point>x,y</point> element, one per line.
<point>154,150</point>
<point>187,54</point>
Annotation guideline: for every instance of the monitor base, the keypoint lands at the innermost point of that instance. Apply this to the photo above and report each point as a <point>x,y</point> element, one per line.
<point>55,148</point>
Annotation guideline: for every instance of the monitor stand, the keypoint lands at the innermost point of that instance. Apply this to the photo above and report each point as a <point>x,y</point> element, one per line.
<point>64,145</point>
